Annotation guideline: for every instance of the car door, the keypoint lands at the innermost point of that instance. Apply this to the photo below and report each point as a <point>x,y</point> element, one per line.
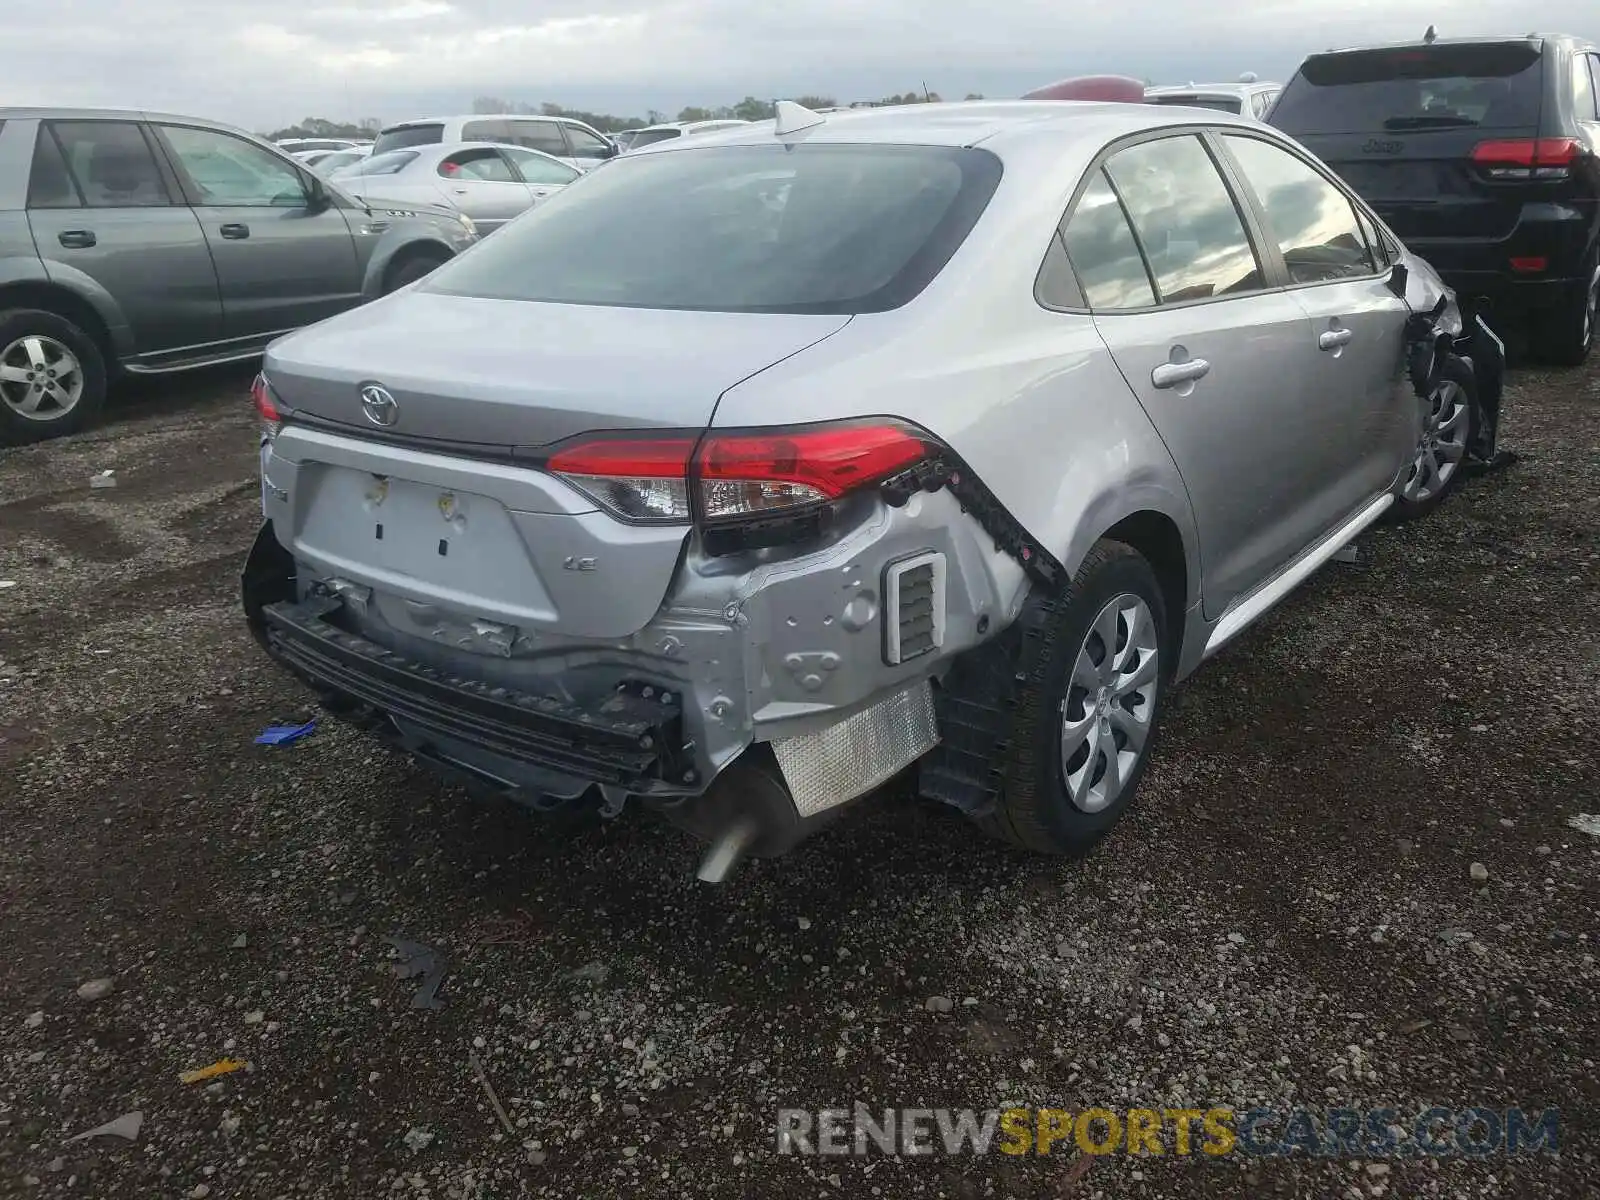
<point>544,175</point>
<point>484,185</point>
<point>1359,401</point>
<point>1208,343</point>
<point>282,259</point>
<point>105,215</point>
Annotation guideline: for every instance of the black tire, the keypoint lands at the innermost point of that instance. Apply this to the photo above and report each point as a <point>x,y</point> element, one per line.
<point>1568,335</point>
<point>1034,810</point>
<point>1457,385</point>
<point>56,331</point>
<point>412,268</point>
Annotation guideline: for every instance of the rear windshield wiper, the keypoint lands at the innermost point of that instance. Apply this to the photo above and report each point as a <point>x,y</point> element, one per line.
<point>1435,122</point>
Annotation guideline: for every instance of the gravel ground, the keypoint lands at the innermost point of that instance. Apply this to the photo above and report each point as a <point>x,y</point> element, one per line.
<point>1290,917</point>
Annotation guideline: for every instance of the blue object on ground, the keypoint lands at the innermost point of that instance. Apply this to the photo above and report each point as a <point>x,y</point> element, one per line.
<point>278,735</point>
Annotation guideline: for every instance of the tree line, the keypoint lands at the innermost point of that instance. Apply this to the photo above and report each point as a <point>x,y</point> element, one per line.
<point>748,109</point>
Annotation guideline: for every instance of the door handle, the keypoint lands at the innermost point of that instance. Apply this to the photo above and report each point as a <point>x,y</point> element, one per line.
<point>1332,339</point>
<point>459,191</point>
<point>76,239</point>
<point>1171,374</point>
<point>236,233</point>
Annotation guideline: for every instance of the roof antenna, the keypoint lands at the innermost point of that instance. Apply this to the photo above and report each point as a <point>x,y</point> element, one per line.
<point>927,96</point>
<point>1430,35</point>
<point>789,117</point>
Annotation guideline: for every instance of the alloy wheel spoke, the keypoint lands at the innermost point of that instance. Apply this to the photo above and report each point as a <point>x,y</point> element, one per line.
<point>34,348</point>
<point>10,374</point>
<point>1105,627</point>
<point>1138,679</point>
<point>1134,731</point>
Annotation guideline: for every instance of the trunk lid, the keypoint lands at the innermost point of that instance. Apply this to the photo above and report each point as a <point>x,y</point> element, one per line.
<point>493,557</point>
<point>523,374</point>
<point>1400,125</point>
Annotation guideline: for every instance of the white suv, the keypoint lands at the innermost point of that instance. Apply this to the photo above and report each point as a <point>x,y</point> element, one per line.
<point>578,145</point>
<point>1248,98</point>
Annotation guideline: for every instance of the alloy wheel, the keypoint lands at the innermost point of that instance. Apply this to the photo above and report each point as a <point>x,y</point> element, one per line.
<point>1443,445</point>
<point>40,378</point>
<point>1110,705</point>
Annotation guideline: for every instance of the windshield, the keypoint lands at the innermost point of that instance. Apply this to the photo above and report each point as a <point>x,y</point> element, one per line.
<point>1489,85</point>
<point>402,136</point>
<point>1230,104</point>
<point>800,229</point>
<point>384,164</point>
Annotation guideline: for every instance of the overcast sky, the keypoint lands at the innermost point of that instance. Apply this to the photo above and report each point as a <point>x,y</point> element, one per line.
<point>264,65</point>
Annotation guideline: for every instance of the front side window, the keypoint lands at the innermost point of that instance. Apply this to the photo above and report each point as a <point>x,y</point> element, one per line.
<point>230,172</point>
<point>585,144</point>
<point>391,163</point>
<point>109,161</point>
<point>1312,221</point>
<point>812,228</point>
<point>484,165</point>
<point>537,135</point>
<point>1192,234</point>
<point>1104,253</point>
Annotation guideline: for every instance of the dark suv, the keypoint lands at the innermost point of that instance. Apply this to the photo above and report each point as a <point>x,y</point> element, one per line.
<point>1484,155</point>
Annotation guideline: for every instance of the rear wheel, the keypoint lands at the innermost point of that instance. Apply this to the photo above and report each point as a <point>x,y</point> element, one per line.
<point>412,268</point>
<point>52,376</point>
<point>1085,724</point>
<point>1441,454</point>
<point>1570,333</point>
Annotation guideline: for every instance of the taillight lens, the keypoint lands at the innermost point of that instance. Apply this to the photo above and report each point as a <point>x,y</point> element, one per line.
<point>267,407</point>
<point>1527,158</point>
<point>723,478</point>
<point>633,478</point>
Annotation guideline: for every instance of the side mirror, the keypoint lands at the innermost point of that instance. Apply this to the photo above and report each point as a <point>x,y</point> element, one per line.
<point>612,150</point>
<point>1399,277</point>
<point>317,198</point>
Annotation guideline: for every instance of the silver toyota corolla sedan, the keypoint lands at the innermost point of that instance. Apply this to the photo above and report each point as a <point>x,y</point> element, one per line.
<point>759,470</point>
<point>491,184</point>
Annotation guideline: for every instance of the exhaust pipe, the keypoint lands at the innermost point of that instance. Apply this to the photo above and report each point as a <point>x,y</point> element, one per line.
<point>747,812</point>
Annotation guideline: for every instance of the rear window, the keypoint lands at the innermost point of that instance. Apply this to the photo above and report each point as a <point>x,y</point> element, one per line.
<point>1230,104</point>
<point>402,136</point>
<point>1490,86</point>
<point>649,137</point>
<point>386,164</point>
<point>802,229</point>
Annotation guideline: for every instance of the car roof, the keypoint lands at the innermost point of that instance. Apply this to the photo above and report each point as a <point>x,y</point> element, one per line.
<point>481,117</point>
<point>121,114</point>
<point>995,123</point>
<point>1211,89</point>
<point>1532,39</point>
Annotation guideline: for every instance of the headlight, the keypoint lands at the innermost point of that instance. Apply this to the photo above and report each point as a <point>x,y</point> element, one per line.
<point>466,223</point>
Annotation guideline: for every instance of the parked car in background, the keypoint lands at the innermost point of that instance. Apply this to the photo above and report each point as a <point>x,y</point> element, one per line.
<point>574,143</point>
<point>623,139</point>
<point>950,434</point>
<point>676,129</point>
<point>1484,154</point>
<point>1249,97</point>
<point>491,184</point>
<point>326,162</point>
<point>145,243</point>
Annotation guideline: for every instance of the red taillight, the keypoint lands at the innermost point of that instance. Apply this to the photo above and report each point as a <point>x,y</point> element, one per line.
<point>752,474</point>
<point>756,473</point>
<point>266,406</point>
<point>1532,264</point>
<point>1527,158</point>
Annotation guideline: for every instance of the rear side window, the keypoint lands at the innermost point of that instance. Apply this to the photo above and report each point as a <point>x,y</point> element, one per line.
<point>798,229</point>
<point>1583,87</point>
<point>485,165</point>
<point>649,137</point>
<point>1312,221</point>
<point>402,136</point>
<point>1104,253</point>
<point>50,185</point>
<point>537,135</point>
<point>1488,86</point>
<point>111,163</point>
<point>1184,217</point>
<point>1228,104</point>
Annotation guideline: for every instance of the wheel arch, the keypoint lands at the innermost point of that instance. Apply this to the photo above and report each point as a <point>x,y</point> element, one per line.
<point>91,308</point>
<point>382,267</point>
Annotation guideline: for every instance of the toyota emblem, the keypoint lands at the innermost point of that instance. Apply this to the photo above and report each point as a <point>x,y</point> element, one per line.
<point>380,407</point>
